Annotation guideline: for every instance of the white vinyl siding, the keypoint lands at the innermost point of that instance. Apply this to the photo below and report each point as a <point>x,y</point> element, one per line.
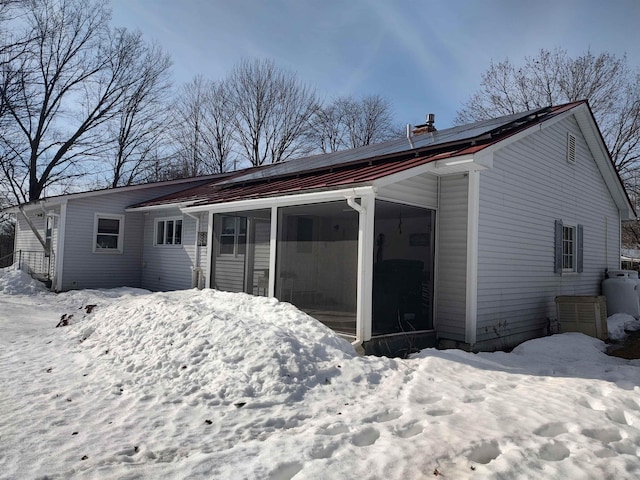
<point>520,200</point>
<point>421,190</point>
<point>450,313</point>
<point>25,239</point>
<point>229,264</point>
<point>261,257</point>
<point>165,268</point>
<point>85,269</point>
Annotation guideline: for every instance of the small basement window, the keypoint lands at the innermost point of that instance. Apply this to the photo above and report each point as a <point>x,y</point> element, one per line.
<point>108,233</point>
<point>168,231</point>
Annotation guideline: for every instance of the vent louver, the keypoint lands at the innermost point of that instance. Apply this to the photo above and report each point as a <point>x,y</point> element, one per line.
<point>571,148</point>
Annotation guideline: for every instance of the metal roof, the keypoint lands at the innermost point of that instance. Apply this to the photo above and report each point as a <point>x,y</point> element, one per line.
<point>358,166</point>
<point>390,147</point>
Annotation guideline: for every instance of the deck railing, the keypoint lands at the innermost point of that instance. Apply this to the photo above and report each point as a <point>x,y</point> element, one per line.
<point>36,263</point>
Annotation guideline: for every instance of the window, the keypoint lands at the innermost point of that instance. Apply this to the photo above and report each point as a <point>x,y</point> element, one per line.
<point>568,248</point>
<point>233,236</point>
<point>168,231</point>
<point>108,233</point>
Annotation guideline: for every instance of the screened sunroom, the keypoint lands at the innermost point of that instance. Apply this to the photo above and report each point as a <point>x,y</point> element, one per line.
<point>363,267</point>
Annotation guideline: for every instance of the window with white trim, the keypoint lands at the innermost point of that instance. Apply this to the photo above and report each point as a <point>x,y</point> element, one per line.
<point>168,231</point>
<point>108,233</point>
<point>233,236</point>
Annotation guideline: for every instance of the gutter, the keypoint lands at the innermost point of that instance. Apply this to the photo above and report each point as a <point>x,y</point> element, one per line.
<point>196,270</point>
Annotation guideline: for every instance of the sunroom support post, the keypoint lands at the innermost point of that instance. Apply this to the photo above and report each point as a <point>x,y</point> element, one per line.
<point>364,298</point>
<point>473,213</point>
<point>209,265</point>
<point>272,251</point>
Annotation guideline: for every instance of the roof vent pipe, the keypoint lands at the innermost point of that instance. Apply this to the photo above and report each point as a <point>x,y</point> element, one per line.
<point>431,119</point>
<point>409,133</point>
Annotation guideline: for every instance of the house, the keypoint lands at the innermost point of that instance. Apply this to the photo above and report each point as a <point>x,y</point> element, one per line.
<point>464,235</point>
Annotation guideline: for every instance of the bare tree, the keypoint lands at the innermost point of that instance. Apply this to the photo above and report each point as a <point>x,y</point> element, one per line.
<point>139,126</point>
<point>368,121</point>
<point>272,109</point>
<point>348,122</point>
<point>61,89</point>
<point>553,77</point>
<point>202,128</point>
<point>189,111</point>
<point>327,131</point>
<point>218,128</point>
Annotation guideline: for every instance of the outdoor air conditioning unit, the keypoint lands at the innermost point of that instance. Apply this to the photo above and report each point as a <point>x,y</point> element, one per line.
<point>583,313</point>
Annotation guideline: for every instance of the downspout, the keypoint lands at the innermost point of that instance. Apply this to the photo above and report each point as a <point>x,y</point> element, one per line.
<point>59,259</point>
<point>365,256</point>
<point>436,254</point>
<point>196,270</point>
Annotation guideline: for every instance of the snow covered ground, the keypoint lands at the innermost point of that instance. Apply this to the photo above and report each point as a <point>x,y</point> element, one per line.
<point>206,384</point>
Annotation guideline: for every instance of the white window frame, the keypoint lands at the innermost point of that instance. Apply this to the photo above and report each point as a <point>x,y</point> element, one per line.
<point>164,220</point>
<point>120,242</point>
<point>573,243</point>
<point>236,235</point>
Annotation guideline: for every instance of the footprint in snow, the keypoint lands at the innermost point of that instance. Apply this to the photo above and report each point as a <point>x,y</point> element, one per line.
<point>408,431</point>
<point>554,451</point>
<point>551,430</point>
<point>439,412</point>
<point>366,437</point>
<point>485,453</point>
<point>473,399</point>
<point>605,435</point>
<point>335,429</point>
<point>319,451</point>
<point>286,471</point>
<point>383,417</point>
<point>620,416</point>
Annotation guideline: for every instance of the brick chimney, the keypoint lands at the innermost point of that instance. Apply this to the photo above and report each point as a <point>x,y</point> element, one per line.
<point>427,127</point>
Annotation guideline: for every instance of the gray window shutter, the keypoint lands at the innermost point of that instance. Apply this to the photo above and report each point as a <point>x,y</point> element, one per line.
<point>579,242</point>
<point>557,265</point>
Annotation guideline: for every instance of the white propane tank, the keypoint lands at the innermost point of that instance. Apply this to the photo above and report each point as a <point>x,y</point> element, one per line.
<point>622,293</point>
<point>633,275</point>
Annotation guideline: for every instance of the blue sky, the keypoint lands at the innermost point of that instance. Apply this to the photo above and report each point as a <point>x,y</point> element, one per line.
<point>424,56</point>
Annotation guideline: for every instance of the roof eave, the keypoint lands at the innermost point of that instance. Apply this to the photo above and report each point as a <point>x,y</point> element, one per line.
<point>593,136</point>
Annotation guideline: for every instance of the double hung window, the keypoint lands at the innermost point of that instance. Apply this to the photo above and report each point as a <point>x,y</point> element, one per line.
<point>568,248</point>
<point>233,236</point>
<point>108,233</point>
